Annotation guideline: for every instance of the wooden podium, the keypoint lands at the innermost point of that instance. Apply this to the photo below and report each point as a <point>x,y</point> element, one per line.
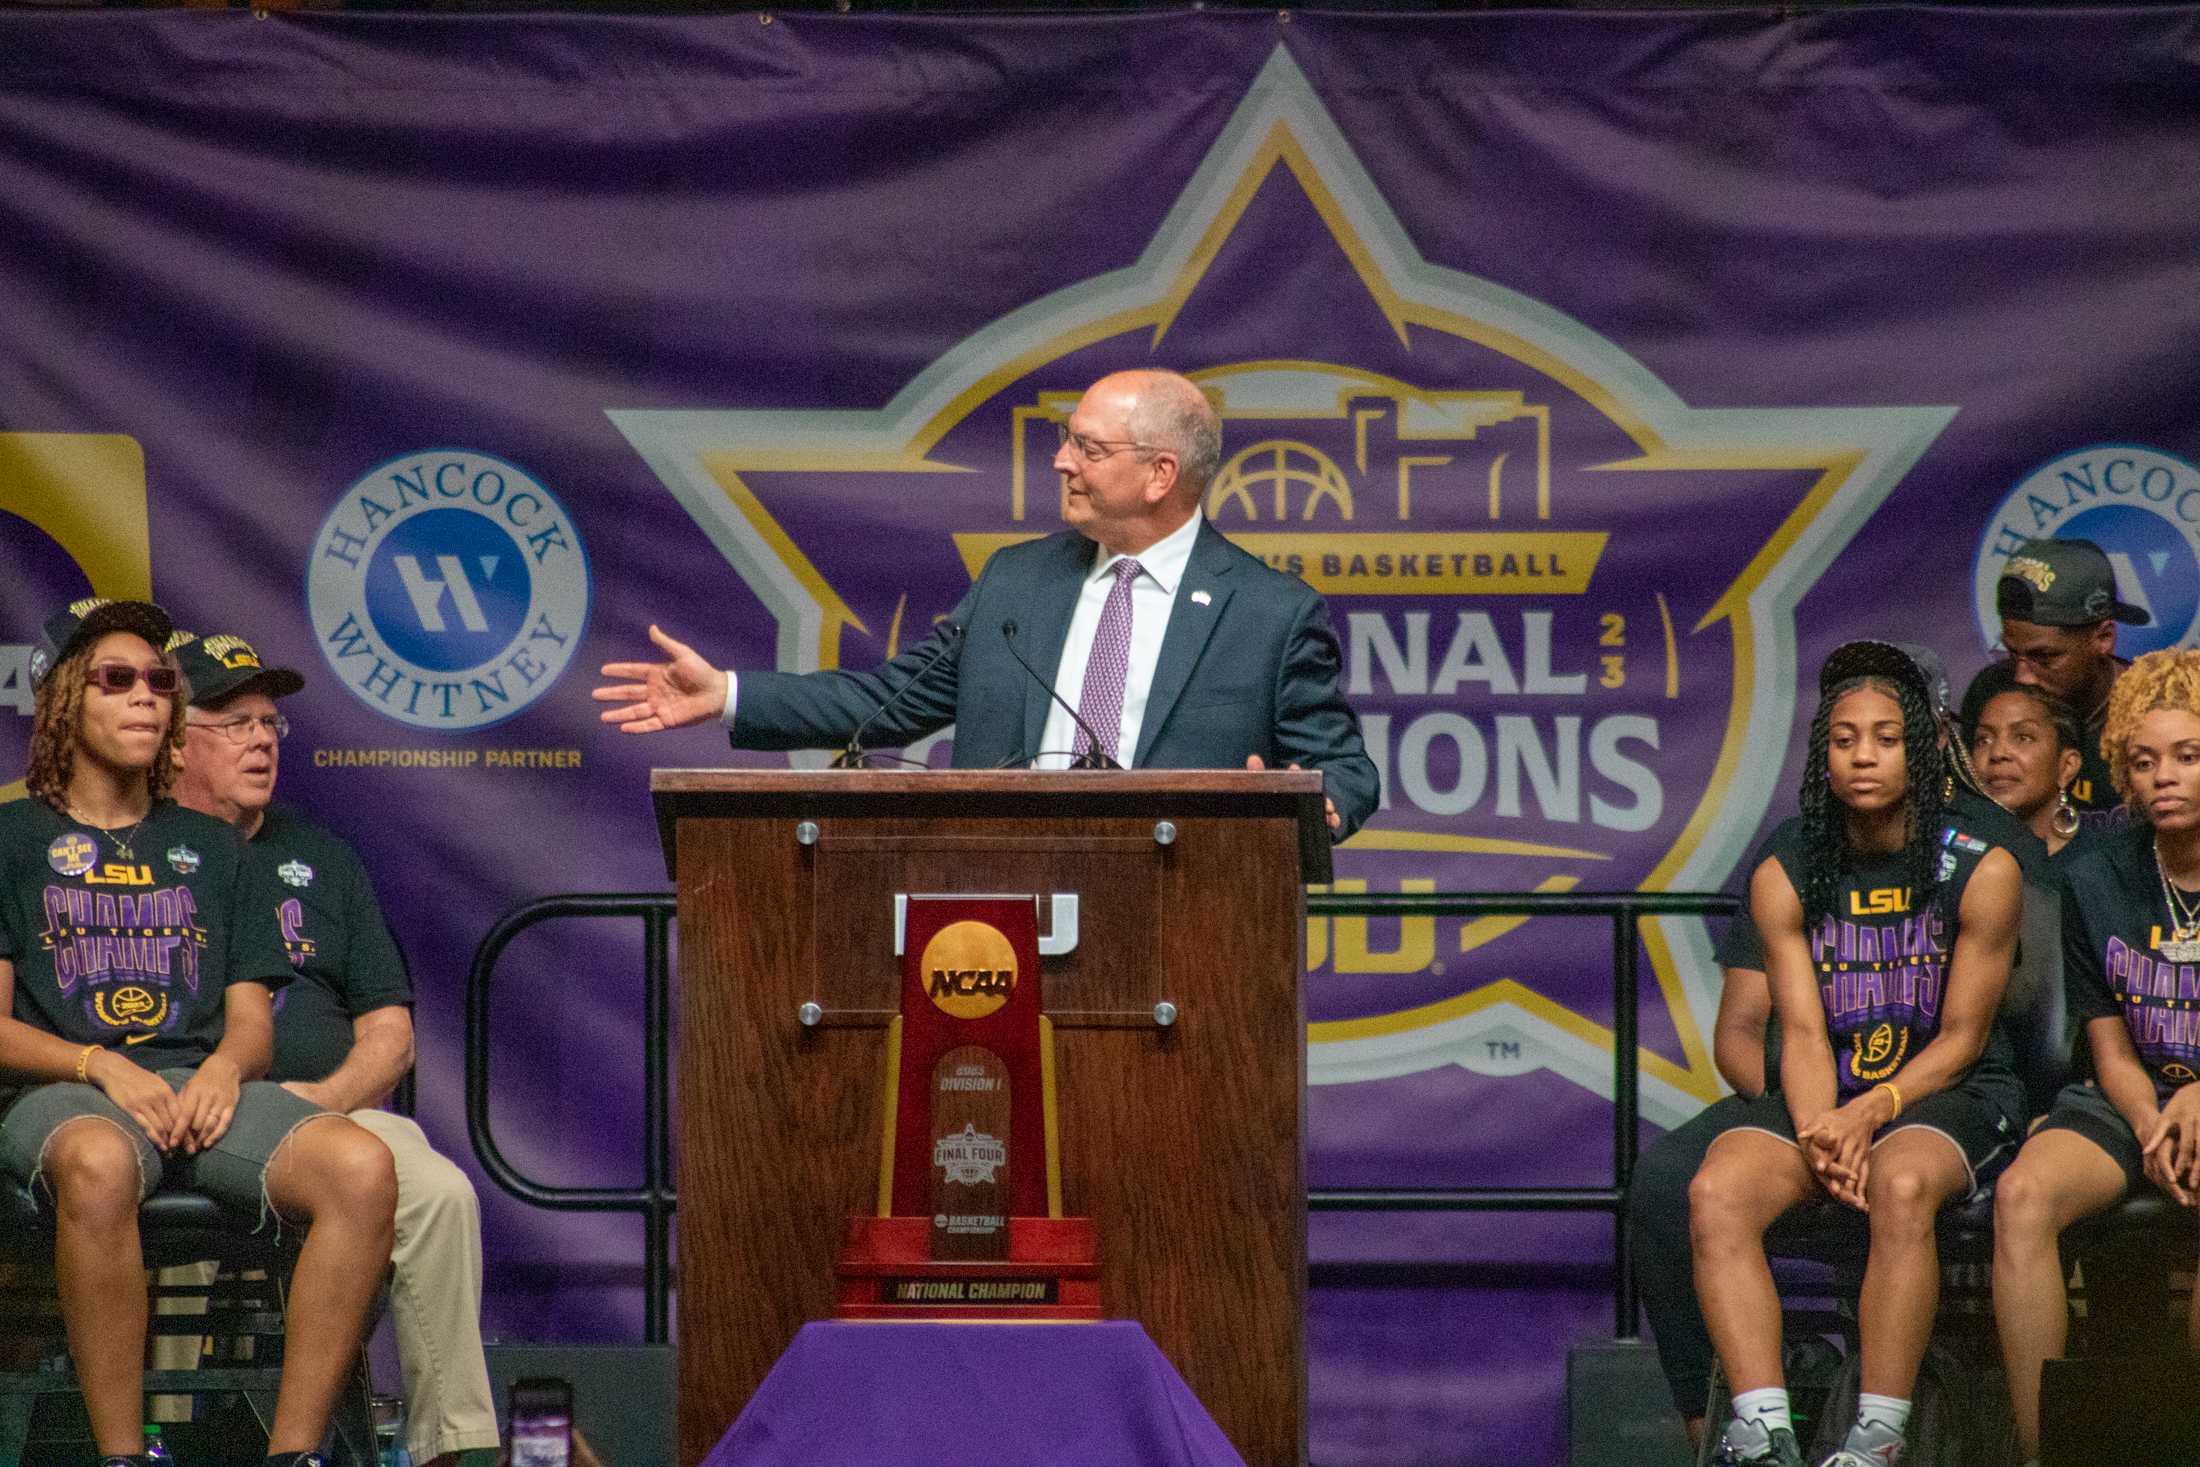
<point>1180,1050</point>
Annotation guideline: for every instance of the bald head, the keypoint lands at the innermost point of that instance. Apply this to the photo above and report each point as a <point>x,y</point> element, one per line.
<point>1166,410</point>
<point>1136,456</point>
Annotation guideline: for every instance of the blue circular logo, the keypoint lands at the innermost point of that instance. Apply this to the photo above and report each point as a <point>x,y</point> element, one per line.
<point>448,589</point>
<point>2140,505</point>
<point>2156,567</point>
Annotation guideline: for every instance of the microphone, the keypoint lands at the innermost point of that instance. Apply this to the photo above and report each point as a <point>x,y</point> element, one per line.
<point>1095,757</point>
<point>854,757</point>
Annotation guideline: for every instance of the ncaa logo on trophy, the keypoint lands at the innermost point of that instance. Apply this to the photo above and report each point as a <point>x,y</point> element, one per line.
<point>448,589</point>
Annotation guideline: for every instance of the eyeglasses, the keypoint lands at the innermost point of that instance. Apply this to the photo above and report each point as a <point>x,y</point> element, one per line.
<point>1092,450</point>
<point>2042,660</point>
<point>238,729</point>
<point>120,677</point>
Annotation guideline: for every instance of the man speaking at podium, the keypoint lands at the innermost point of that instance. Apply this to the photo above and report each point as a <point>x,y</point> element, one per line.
<point>1137,638</point>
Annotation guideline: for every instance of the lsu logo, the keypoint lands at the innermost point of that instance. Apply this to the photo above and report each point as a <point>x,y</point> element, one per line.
<point>118,873</point>
<point>1488,492</point>
<point>1880,902</point>
<point>448,589</point>
<point>1880,1052</point>
<point>2140,505</point>
<point>969,969</point>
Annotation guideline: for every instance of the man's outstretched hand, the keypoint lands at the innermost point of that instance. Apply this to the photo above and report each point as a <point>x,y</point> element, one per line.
<point>1254,761</point>
<point>660,695</point>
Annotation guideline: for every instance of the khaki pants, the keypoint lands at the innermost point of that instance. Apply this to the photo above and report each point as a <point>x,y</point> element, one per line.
<point>435,1298</point>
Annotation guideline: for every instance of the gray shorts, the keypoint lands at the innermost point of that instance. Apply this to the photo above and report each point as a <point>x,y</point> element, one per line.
<point>233,1171</point>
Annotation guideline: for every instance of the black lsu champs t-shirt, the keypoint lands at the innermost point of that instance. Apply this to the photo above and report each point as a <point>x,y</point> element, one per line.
<point>1976,815</point>
<point>132,949</point>
<point>333,931</point>
<point>2115,921</point>
<point>1882,957</point>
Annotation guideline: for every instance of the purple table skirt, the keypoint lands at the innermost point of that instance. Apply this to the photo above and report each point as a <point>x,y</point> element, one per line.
<point>950,1395</point>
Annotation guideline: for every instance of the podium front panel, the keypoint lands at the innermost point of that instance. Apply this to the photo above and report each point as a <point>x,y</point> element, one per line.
<point>1183,1142</point>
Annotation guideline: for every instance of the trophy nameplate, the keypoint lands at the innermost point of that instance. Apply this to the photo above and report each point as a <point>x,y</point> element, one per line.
<point>970,1218</point>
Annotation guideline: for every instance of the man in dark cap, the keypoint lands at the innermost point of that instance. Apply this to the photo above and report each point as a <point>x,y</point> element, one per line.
<point>2059,609</point>
<point>344,1031</point>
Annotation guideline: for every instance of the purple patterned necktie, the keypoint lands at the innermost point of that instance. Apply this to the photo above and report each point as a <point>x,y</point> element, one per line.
<point>1101,702</point>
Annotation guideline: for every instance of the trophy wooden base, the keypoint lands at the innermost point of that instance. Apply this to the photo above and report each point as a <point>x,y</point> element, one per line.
<point>887,1271</point>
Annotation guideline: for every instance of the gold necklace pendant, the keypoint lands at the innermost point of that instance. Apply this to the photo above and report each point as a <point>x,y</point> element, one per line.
<point>123,842</point>
<point>2183,945</point>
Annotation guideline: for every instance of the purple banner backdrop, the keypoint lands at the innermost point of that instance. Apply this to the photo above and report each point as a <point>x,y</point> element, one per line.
<point>1603,370</point>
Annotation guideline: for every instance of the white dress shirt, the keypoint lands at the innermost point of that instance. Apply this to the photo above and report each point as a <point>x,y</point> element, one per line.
<point>1153,597</point>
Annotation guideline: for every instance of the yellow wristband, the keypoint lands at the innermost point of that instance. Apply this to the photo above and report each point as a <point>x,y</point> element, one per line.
<point>83,1062</point>
<point>1889,1087</point>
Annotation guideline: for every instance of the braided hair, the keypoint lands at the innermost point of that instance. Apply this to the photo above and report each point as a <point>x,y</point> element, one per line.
<point>1827,856</point>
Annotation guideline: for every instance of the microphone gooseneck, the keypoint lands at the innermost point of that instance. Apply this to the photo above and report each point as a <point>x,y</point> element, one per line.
<point>853,756</point>
<point>1096,756</point>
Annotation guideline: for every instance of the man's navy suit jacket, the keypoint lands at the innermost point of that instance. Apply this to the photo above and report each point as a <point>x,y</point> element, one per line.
<point>1251,668</point>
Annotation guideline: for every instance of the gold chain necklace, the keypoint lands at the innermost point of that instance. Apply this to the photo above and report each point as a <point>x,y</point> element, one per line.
<point>2184,918</point>
<point>122,842</point>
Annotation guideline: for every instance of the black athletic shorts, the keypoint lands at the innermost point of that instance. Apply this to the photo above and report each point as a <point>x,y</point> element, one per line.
<point>1982,1116</point>
<point>2087,1110</point>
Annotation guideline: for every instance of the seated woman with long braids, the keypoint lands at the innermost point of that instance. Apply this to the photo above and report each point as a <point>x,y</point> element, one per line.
<point>2027,745</point>
<point>2131,968</point>
<point>1888,925</point>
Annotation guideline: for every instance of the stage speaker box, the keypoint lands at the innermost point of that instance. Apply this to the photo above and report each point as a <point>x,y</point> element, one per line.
<point>622,1394</point>
<point>2131,1410</point>
<point>1618,1411</point>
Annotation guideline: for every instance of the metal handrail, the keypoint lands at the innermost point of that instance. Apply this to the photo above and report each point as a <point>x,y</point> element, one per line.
<point>1625,909</point>
<point>655,1200</point>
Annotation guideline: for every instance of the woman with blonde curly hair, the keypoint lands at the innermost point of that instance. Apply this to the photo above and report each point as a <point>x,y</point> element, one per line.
<point>2131,960</point>
<point>136,1012</point>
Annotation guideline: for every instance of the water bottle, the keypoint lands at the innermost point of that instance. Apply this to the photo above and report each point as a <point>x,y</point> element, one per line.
<point>155,1449</point>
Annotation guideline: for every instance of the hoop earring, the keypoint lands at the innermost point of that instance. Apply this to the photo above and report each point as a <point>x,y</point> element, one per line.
<point>2064,821</point>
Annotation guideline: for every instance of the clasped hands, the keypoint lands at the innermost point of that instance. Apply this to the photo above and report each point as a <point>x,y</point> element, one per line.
<point>2170,1148</point>
<point>190,1119</point>
<point>1838,1145</point>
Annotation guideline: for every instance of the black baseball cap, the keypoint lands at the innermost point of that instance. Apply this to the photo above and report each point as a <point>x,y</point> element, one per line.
<point>2062,583</point>
<point>81,623</point>
<point>1910,663</point>
<point>223,665</point>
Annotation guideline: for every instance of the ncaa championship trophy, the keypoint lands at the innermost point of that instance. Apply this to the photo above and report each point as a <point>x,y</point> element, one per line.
<point>969,1222</point>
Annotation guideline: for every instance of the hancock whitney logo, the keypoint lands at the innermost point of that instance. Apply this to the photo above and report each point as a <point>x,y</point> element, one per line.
<point>1566,598</point>
<point>448,589</point>
<point>2140,505</point>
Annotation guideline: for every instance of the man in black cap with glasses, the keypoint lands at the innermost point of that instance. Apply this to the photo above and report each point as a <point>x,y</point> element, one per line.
<point>344,1031</point>
<point>2059,610</point>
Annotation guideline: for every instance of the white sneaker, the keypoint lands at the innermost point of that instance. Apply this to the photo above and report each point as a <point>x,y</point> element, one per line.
<point>1867,1445</point>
